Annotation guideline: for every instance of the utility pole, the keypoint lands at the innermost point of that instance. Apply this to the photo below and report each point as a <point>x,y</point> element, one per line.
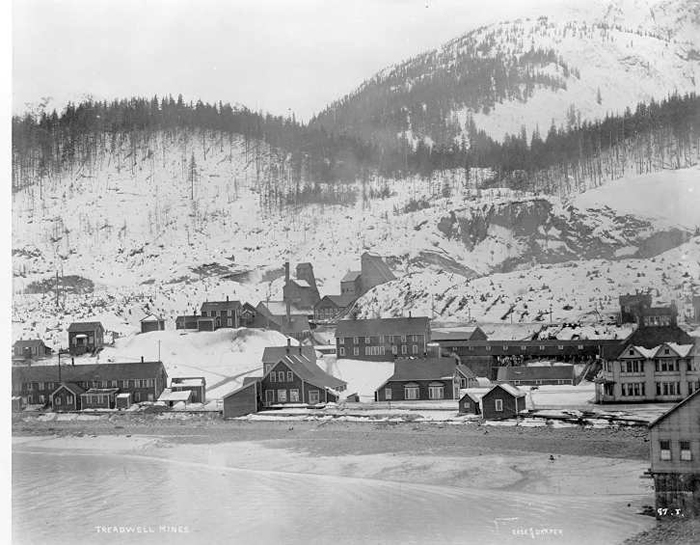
<point>159,351</point>
<point>57,290</point>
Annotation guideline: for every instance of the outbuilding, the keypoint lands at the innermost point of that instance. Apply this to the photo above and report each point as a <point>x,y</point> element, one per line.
<point>502,401</point>
<point>469,404</point>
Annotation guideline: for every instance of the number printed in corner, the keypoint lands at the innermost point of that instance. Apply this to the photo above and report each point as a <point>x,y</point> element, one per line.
<point>666,512</point>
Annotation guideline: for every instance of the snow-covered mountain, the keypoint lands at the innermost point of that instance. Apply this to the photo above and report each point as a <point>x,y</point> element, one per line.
<point>562,68</point>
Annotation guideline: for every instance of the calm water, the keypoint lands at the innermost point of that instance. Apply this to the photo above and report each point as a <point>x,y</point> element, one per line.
<point>64,497</point>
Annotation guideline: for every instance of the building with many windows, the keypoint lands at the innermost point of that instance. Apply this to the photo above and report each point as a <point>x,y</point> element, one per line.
<point>426,379</point>
<point>382,339</point>
<point>675,459</point>
<point>222,313</point>
<point>646,369</point>
<point>74,387</point>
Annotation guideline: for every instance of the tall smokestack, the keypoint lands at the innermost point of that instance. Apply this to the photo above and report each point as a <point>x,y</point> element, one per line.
<point>286,272</point>
<point>300,349</point>
<point>289,344</point>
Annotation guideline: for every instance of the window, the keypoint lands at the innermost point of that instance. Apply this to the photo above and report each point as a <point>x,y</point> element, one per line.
<point>290,376</point>
<point>415,349</point>
<point>368,340</point>
<point>403,349</point>
<point>541,347</point>
<point>269,366</point>
<point>686,455</point>
<point>313,397</point>
<point>356,351</point>
<point>204,314</point>
<point>560,347</point>
<point>137,396</point>
<point>273,376</point>
<point>229,322</point>
<point>282,396</point>
<point>342,351</point>
<point>69,399</point>
<point>280,376</point>
<point>631,353</point>
<point>342,340</point>
<point>665,450</point>
<point>403,338</point>
<point>42,399</point>
<point>381,339</point>
<point>294,396</point>
<point>57,400</point>
<point>355,340</point>
<point>114,384</point>
<point>42,386</point>
<point>580,347</point>
<point>394,350</point>
<point>387,394</point>
<point>523,347</point>
<point>436,391</point>
<point>125,383</point>
<point>411,391</point>
<point>269,397</point>
<point>498,405</point>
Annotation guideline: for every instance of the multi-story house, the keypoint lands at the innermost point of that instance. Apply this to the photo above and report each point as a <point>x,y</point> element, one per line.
<point>651,371</point>
<point>675,459</point>
<point>223,313</point>
<point>382,339</point>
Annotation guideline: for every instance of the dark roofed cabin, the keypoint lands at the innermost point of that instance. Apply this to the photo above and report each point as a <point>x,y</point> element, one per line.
<point>31,349</point>
<point>152,323</point>
<point>502,401</point>
<point>222,313</point>
<point>85,337</point>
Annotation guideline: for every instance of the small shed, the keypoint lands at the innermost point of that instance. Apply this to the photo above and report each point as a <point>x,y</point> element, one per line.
<point>170,398</point>
<point>17,404</point>
<point>502,401</point>
<point>245,400</point>
<point>469,404</point>
<point>123,401</point>
<point>205,324</point>
<point>152,323</point>
<point>99,398</point>
<point>196,385</point>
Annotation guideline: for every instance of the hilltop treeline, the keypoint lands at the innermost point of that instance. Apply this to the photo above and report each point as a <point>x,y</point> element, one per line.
<point>655,135</point>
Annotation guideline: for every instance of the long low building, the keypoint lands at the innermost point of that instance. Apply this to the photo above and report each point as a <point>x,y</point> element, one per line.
<point>536,375</point>
<point>74,387</point>
<point>382,339</point>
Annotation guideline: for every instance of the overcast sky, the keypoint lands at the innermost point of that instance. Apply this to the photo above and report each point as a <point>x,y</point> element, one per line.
<point>274,55</point>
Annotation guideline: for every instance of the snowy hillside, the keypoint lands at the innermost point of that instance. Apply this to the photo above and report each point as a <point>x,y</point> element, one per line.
<point>562,68</point>
<point>575,291</point>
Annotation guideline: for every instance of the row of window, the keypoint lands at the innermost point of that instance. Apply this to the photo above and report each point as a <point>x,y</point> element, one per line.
<point>660,366</point>
<point>685,453</point>
<point>388,339</point>
<point>214,314</point>
<point>412,392</point>
<point>379,350</point>
<point>522,347</point>
<point>540,381</point>
<point>291,396</point>
<point>638,389</point>
<point>129,383</point>
<point>280,376</point>
<point>634,389</point>
<point>41,399</point>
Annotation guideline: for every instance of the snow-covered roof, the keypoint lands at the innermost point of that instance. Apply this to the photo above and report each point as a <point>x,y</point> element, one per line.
<point>512,390</point>
<point>84,326</point>
<point>382,326</point>
<point>169,395</point>
<point>682,350</point>
<point>540,372</point>
<point>123,396</point>
<point>350,276</point>
<point>151,318</point>
<point>190,381</point>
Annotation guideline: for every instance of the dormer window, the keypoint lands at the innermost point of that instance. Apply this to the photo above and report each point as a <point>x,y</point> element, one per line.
<point>666,351</point>
<point>631,352</point>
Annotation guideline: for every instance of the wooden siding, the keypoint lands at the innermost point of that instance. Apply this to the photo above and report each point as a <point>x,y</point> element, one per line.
<point>469,406</point>
<point>398,392</point>
<point>418,347</point>
<point>511,405</point>
<point>243,402</point>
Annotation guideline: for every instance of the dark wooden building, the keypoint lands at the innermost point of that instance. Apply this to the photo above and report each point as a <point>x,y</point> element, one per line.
<point>30,349</point>
<point>273,315</point>
<point>469,404</point>
<point>330,306</point>
<point>43,384</point>
<point>537,375</point>
<point>196,385</point>
<point>99,398</point>
<point>152,323</point>
<point>632,304</point>
<point>374,271</point>
<point>382,339</point>
<point>502,401</point>
<point>222,313</point>
<point>187,322</point>
<point>294,379</point>
<point>424,379</point>
<point>351,284</point>
<point>675,459</point>
<point>273,354</point>
<point>248,314</point>
<point>85,337</point>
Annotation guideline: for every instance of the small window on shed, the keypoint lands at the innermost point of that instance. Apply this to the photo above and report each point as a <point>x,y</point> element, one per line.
<point>498,405</point>
<point>665,450</point>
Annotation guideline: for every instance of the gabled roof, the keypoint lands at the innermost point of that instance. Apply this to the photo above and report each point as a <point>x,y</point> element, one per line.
<point>168,395</point>
<point>273,354</point>
<point>151,318</point>
<point>250,380</point>
<point>101,391</point>
<point>382,326</point>
<point>310,372</point>
<point>72,388</point>
<point>512,390</point>
<point>278,308</point>
<point>91,371</point>
<point>84,326</point>
<point>248,306</point>
<point>675,408</point>
<point>463,333</point>
<point>187,381</point>
<point>470,395</point>
<point>427,369</point>
<point>539,372</point>
<point>29,342</point>
<point>683,350</point>
<point>300,283</point>
<point>378,265</point>
<point>220,305</point>
<point>350,276</point>
<point>652,336</point>
<point>340,301</point>
<point>246,384</point>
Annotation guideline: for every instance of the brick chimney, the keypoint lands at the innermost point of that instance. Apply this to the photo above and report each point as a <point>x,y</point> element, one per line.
<point>289,344</point>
